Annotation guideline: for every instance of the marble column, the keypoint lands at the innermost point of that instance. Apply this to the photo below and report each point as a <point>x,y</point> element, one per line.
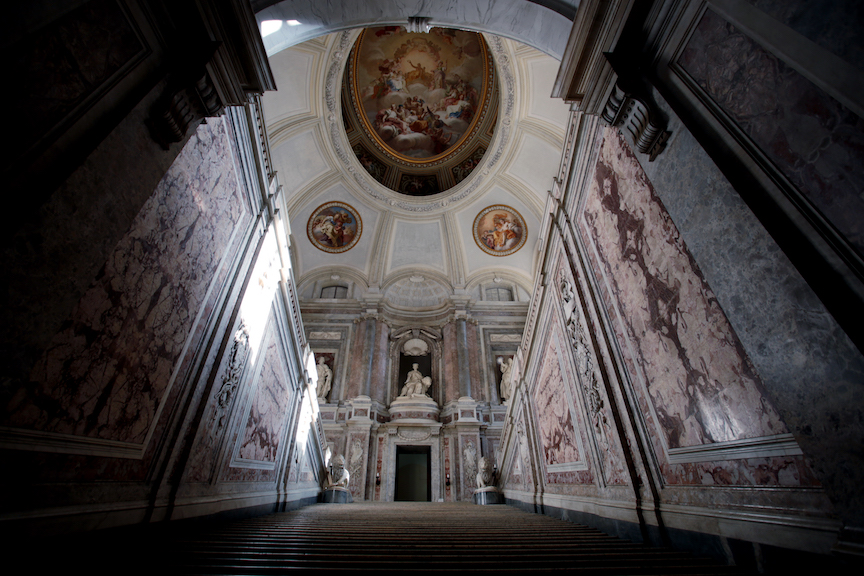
<point>371,329</point>
<point>462,354</point>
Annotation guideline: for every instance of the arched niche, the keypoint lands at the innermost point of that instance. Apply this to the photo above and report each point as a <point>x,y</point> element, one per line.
<point>416,345</point>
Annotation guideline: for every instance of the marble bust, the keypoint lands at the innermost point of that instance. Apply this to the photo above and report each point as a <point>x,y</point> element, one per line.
<point>415,384</point>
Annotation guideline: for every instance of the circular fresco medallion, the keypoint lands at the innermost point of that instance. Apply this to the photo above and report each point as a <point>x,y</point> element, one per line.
<point>420,96</point>
<point>499,230</point>
<point>334,227</point>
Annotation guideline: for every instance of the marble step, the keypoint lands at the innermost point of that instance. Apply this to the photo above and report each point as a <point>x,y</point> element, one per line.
<point>421,538</point>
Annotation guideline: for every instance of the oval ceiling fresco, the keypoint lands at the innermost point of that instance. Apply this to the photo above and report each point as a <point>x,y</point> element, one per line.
<point>424,103</point>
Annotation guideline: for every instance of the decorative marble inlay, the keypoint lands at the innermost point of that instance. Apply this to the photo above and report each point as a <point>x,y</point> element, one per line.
<point>265,425</point>
<point>701,384</point>
<point>813,139</point>
<point>107,373</point>
<point>357,464</point>
<point>325,336</point>
<point>555,421</point>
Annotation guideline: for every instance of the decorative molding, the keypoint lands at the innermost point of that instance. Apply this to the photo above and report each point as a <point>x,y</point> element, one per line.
<point>230,69</point>
<point>325,336</point>
<point>37,441</point>
<point>516,338</point>
<point>586,77</point>
<point>419,24</point>
<point>762,447</point>
<point>412,434</point>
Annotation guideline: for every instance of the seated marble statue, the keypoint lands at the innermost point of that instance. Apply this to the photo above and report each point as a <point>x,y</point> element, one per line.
<point>416,384</point>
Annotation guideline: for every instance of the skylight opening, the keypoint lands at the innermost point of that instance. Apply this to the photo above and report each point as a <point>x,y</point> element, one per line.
<point>270,26</point>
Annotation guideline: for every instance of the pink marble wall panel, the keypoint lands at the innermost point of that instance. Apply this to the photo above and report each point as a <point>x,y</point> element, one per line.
<point>380,363</point>
<point>813,139</point>
<point>701,383</point>
<point>451,363</point>
<point>556,424</point>
<point>62,65</point>
<point>478,390</point>
<point>107,372</point>
<point>448,490</point>
<point>356,364</point>
<point>268,415</point>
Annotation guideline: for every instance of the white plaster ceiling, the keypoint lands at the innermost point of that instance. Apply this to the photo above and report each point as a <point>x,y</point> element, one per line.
<point>418,250</point>
<point>542,24</point>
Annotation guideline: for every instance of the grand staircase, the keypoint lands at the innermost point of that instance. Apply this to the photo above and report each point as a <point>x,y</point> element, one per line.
<point>420,538</point>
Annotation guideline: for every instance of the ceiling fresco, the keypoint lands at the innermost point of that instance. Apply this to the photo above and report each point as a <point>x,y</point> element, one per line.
<point>419,109</point>
<point>499,230</point>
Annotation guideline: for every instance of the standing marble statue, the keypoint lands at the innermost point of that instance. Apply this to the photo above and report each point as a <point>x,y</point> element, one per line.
<point>506,367</point>
<point>415,384</point>
<point>325,377</point>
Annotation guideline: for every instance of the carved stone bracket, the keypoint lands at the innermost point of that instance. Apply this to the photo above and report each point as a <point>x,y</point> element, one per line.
<point>229,70</point>
<point>637,115</point>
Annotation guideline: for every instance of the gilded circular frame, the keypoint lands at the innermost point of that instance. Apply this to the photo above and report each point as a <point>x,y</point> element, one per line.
<point>499,230</point>
<point>334,227</point>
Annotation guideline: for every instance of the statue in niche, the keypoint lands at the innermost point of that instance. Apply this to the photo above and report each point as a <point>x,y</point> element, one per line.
<point>325,377</point>
<point>415,384</point>
<point>506,367</point>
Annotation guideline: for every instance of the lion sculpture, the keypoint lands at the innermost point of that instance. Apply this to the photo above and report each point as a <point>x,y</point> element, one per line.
<point>486,476</point>
<point>337,474</point>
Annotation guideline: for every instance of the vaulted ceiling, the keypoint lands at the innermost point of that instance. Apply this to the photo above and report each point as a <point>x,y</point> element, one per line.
<point>416,252</point>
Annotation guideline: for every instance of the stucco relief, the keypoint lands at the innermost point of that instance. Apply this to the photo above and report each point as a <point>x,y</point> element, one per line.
<point>356,464</point>
<point>609,452</point>
<point>470,453</point>
<point>107,373</point>
<point>204,453</point>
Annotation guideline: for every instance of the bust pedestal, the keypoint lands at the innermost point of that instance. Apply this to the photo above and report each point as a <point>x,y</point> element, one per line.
<point>417,407</point>
<point>487,495</point>
<point>336,495</point>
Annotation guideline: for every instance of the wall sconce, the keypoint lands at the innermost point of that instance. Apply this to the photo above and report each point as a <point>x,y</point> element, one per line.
<point>447,483</point>
<point>377,478</point>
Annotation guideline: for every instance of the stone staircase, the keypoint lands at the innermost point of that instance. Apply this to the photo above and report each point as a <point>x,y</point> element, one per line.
<point>419,537</point>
